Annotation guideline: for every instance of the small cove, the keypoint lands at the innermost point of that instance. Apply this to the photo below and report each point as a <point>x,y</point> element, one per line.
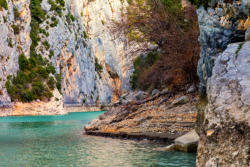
<point>59,141</point>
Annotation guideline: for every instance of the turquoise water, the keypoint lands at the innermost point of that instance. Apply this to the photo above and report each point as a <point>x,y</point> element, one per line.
<point>48,141</point>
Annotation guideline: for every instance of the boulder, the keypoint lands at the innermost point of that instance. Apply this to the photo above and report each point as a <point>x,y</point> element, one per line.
<point>191,89</point>
<point>154,92</point>
<point>181,100</point>
<point>140,95</point>
<point>187,142</point>
<point>92,125</point>
<point>225,123</point>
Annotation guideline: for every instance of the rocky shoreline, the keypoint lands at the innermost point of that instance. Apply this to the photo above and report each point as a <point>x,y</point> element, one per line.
<point>42,108</point>
<point>162,117</point>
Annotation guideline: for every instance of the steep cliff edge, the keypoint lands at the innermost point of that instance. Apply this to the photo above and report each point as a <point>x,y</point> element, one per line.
<point>75,37</point>
<point>221,23</point>
<point>223,69</point>
<point>226,126</point>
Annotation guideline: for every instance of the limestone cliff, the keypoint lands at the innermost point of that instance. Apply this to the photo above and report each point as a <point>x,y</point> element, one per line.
<point>224,73</point>
<point>77,40</point>
<point>225,129</point>
<point>221,23</point>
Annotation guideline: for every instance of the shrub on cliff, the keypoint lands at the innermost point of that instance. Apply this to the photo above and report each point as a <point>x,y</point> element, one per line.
<point>173,33</point>
<point>140,65</point>
<point>32,81</point>
<point>4,4</point>
<point>35,78</point>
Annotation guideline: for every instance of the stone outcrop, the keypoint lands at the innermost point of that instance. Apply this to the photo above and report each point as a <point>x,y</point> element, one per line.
<point>153,118</point>
<point>223,124</point>
<point>222,23</point>
<point>187,142</point>
<point>225,129</point>
<point>11,44</point>
<point>81,40</point>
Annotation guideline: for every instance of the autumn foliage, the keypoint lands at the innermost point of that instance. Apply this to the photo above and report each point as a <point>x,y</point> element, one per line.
<point>164,28</point>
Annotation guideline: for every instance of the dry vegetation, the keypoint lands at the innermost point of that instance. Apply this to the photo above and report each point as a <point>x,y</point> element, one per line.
<point>174,31</point>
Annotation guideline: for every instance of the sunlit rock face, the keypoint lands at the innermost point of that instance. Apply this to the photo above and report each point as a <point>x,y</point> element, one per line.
<point>83,83</point>
<point>82,41</point>
<point>225,129</point>
<point>222,23</point>
<point>11,44</point>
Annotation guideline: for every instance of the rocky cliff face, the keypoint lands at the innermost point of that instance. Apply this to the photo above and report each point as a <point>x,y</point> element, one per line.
<point>222,23</point>
<point>226,126</point>
<point>11,44</point>
<point>76,38</point>
<point>224,72</point>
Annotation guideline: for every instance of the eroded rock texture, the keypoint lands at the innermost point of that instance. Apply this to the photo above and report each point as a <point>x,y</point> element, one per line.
<point>222,23</point>
<point>80,38</point>
<point>224,138</point>
<point>157,118</point>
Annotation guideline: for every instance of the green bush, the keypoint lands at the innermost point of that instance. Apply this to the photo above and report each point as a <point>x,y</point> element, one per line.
<point>46,45</point>
<point>57,8</point>
<point>51,54</point>
<point>16,13</point>
<point>58,82</point>
<point>37,12</point>
<point>33,80</point>
<point>9,40</point>
<point>141,63</point>
<point>51,83</point>
<point>61,2</point>
<point>23,62</point>
<point>51,69</point>
<point>4,4</point>
<point>16,29</point>
<point>5,19</point>
<point>70,18</point>
<point>98,67</point>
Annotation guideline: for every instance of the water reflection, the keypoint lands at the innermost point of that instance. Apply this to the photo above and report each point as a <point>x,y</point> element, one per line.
<point>61,143</point>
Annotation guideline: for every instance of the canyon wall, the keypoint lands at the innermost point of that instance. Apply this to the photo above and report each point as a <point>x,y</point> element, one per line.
<point>224,73</point>
<point>93,63</point>
<point>220,24</point>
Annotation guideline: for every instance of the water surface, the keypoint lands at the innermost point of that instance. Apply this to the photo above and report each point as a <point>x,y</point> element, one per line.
<point>39,141</point>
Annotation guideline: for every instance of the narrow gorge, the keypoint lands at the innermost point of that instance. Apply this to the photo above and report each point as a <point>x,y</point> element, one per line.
<point>162,69</point>
<point>74,37</point>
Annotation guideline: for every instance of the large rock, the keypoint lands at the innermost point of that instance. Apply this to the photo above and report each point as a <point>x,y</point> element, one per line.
<point>219,25</point>
<point>77,44</point>
<point>187,142</point>
<point>154,92</point>
<point>145,119</point>
<point>180,100</point>
<point>225,128</point>
<point>140,95</point>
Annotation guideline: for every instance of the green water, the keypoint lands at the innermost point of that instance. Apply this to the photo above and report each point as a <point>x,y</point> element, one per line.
<point>41,141</point>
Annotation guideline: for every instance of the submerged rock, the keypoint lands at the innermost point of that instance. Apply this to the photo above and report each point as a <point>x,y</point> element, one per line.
<point>187,142</point>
